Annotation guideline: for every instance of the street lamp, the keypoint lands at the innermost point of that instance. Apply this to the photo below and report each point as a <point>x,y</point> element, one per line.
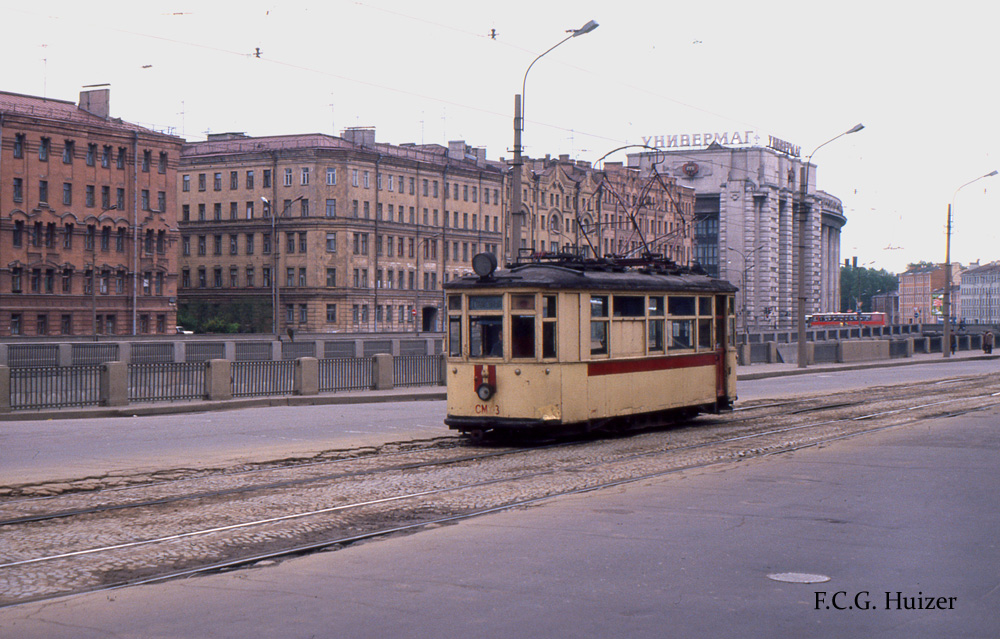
<point>746,267</point>
<point>946,309</point>
<point>515,184</point>
<point>275,247</point>
<point>804,210</point>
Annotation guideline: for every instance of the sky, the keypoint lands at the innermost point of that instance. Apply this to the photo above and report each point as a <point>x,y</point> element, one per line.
<point>920,76</point>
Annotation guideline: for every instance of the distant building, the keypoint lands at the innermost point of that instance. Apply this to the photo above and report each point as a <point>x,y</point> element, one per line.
<point>921,291</point>
<point>887,303</point>
<point>745,222</point>
<point>980,294</point>
<point>611,211</point>
<point>88,239</point>
<point>343,233</point>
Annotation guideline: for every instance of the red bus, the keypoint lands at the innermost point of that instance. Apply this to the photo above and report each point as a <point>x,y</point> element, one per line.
<point>846,319</point>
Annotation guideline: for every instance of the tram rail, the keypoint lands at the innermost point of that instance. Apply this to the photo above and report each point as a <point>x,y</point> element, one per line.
<point>406,496</point>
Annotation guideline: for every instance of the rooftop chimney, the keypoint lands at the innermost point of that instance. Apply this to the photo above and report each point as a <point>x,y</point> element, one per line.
<point>96,102</point>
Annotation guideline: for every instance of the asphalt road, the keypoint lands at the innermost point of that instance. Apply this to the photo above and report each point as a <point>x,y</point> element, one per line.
<point>882,519</point>
<point>53,450</point>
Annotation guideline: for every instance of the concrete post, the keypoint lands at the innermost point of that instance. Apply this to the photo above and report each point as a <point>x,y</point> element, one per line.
<point>218,379</point>
<point>65,357</point>
<point>909,346</point>
<point>382,372</point>
<point>276,350</point>
<point>744,354</point>
<point>114,384</point>
<point>3,354</point>
<point>229,351</point>
<point>125,352</point>
<point>4,389</point>
<point>306,377</point>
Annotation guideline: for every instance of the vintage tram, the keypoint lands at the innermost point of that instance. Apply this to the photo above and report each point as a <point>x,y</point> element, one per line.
<point>564,344</point>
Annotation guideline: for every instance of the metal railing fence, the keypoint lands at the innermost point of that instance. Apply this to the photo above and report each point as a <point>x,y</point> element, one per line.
<point>263,378</point>
<point>416,370</point>
<point>54,387</point>
<point>166,382</point>
<point>345,373</point>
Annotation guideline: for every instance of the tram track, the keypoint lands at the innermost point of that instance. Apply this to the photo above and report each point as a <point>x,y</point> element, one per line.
<point>94,550</point>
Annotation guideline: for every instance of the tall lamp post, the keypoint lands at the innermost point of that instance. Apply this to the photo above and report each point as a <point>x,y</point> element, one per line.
<point>515,183</point>
<point>946,309</point>
<point>275,247</point>
<point>804,210</point>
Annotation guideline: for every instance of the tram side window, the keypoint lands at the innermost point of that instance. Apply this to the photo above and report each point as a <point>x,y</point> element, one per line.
<point>485,336</point>
<point>599,325</point>
<point>522,331</point>
<point>680,333</point>
<point>655,341</point>
<point>455,336</point>
<point>681,329</point>
<point>548,326</point>
<point>705,333</point>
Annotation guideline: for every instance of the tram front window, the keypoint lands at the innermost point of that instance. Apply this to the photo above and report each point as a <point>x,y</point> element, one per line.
<point>522,331</point>
<point>486,336</point>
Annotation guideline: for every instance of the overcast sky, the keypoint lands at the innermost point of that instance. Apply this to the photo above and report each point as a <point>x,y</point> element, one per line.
<point>921,76</point>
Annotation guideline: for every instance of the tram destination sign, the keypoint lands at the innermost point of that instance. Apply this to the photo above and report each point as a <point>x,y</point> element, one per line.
<point>725,138</point>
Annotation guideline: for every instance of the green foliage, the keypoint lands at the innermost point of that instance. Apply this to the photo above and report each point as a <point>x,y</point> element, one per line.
<point>240,315</point>
<point>861,284</point>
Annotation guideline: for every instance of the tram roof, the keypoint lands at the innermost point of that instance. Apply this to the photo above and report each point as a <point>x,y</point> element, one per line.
<point>597,275</point>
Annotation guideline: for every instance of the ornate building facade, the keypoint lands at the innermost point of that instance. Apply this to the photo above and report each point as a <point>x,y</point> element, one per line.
<point>339,234</point>
<point>610,211</point>
<point>746,228</point>
<point>88,232</point>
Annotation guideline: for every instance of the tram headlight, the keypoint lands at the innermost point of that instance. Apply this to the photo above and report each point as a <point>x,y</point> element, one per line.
<point>485,391</point>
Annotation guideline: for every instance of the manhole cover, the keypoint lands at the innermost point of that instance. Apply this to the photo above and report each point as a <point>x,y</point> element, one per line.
<point>798,577</point>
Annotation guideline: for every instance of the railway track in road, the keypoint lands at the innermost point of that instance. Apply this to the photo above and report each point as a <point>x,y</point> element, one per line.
<point>84,541</point>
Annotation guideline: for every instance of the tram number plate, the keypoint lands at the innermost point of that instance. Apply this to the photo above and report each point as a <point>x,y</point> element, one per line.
<point>486,409</point>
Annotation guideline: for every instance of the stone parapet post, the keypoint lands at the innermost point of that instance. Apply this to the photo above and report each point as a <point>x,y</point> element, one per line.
<point>4,389</point>
<point>218,379</point>
<point>306,377</point>
<point>382,372</point>
<point>114,384</point>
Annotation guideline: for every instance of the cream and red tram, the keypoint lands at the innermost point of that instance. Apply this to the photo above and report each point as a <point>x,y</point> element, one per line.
<point>576,345</point>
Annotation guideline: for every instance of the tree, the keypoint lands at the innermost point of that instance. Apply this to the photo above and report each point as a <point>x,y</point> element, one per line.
<point>860,284</point>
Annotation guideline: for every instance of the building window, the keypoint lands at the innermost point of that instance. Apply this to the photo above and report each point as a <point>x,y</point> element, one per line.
<point>331,277</point>
<point>122,157</point>
<point>288,177</point>
<point>267,179</point>
<point>331,313</point>
<point>331,177</point>
<point>304,207</point>
<point>331,242</point>
<point>250,243</point>
<point>69,149</point>
<point>161,166</point>
<point>105,157</point>
<point>217,182</point>
<point>201,182</point>
<point>249,180</point>
<point>305,176</point>
<point>331,208</point>
<point>68,193</point>
<point>19,145</point>
<point>234,180</point>
<point>43,192</point>
<point>43,150</point>
<point>18,190</point>
<point>146,159</point>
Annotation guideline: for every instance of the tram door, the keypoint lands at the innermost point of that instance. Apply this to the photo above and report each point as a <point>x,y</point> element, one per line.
<point>722,338</point>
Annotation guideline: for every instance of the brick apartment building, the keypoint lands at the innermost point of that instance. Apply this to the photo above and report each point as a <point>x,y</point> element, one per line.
<point>75,187</point>
<point>919,287</point>
<point>340,234</point>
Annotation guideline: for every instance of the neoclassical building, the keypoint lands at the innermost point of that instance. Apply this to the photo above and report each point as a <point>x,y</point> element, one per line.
<point>320,234</point>
<point>746,229</point>
<point>614,210</point>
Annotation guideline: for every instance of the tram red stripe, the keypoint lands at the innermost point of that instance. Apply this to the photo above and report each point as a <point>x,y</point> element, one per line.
<point>618,367</point>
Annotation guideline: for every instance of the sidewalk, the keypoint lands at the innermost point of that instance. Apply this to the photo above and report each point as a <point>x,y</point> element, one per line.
<point>438,393</point>
<point>764,371</point>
